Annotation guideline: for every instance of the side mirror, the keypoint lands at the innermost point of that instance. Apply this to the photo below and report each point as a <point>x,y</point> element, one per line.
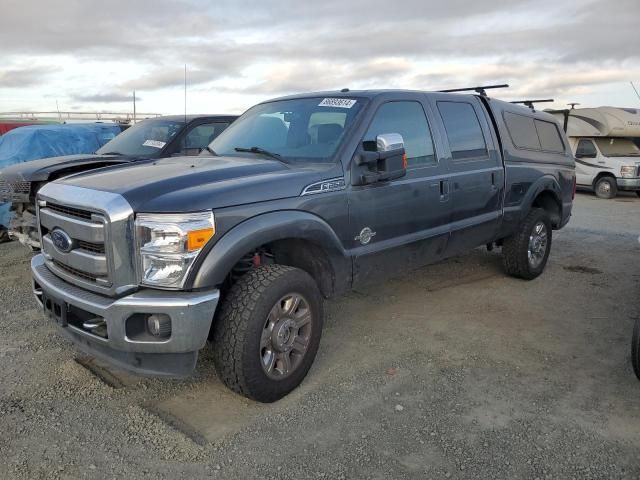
<point>388,162</point>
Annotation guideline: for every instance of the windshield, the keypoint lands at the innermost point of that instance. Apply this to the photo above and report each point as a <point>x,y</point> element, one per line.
<point>146,138</point>
<point>301,130</point>
<point>617,147</point>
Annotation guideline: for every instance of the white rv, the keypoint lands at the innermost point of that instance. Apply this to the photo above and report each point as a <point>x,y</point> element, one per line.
<point>603,142</point>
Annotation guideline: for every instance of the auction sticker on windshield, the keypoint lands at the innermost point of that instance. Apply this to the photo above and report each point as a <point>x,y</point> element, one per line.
<point>154,143</point>
<point>337,102</point>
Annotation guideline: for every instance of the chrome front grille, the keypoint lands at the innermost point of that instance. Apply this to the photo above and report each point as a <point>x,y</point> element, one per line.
<point>87,238</point>
<point>81,228</point>
<point>69,211</point>
<point>92,247</point>
<point>78,273</point>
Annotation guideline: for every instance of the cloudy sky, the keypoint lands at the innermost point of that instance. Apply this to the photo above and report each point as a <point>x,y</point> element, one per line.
<point>89,54</point>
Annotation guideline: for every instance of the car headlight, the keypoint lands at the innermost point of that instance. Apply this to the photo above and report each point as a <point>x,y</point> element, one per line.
<point>168,244</point>
<point>628,171</point>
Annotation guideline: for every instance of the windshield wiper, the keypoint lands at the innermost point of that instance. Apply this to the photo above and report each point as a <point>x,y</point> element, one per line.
<point>260,151</point>
<point>113,153</point>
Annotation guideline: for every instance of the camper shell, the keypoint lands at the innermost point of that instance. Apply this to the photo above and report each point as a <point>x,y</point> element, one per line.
<point>605,142</point>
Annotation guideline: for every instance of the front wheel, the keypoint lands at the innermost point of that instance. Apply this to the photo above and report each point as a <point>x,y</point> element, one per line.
<point>606,187</point>
<point>525,253</point>
<point>268,332</point>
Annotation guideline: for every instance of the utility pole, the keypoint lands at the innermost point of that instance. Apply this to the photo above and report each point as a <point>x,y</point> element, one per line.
<point>185,93</point>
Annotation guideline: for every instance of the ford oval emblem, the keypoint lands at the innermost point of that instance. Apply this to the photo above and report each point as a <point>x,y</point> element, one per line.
<point>61,240</point>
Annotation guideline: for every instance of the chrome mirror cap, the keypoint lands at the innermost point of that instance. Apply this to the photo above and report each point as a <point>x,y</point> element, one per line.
<point>387,142</point>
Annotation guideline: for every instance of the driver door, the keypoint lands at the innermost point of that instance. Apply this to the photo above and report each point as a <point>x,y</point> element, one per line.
<point>403,223</point>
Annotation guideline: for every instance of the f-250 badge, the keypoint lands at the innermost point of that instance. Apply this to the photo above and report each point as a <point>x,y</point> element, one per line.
<point>365,235</point>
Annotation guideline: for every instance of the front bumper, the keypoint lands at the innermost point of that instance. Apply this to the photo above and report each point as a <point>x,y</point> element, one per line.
<point>628,183</point>
<point>191,315</point>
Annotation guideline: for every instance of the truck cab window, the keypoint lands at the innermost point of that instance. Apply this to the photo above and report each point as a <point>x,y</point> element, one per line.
<point>409,120</point>
<point>463,130</point>
<point>586,149</point>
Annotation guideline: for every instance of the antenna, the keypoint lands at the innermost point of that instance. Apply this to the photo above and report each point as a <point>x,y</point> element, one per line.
<point>185,93</point>
<point>635,89</point>
<point>481,89</point>
<point>529,103</point>
<point>573,105</point>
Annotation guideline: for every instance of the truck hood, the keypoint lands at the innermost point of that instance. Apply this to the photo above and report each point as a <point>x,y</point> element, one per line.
<point>187,184</point>
<point>46,168</point>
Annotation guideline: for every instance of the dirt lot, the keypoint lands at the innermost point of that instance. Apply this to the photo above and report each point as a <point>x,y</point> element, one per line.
<point>454,371</point>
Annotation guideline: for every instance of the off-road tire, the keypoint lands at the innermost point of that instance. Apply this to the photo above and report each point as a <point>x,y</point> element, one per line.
<point>611,192</point>
<point>238,328</point>
<point>635,349</point>
<point>515,248</point>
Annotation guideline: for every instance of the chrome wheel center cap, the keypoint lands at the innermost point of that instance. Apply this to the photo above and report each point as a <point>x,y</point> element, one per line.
<point>284,335</point>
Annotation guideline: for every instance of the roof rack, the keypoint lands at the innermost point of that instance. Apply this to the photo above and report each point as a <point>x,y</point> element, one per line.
<point>481,89</point>
<point>529,103</point>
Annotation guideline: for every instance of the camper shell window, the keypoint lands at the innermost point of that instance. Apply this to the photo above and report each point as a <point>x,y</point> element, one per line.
<point>533,134</point>
<point>549,136</point>
<point>522,130</point>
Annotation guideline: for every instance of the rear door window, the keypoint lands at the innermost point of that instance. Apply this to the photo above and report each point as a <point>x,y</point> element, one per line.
<point>549,136</point>
<point>522,131</point>
<point>464,132</point>
<point>409,120</point>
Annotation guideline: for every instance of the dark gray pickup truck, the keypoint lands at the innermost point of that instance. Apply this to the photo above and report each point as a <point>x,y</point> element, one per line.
<point>303,198</point>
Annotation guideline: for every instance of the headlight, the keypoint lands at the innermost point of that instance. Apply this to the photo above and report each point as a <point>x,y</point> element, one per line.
<point>628,171</point>
<point>169,243</point>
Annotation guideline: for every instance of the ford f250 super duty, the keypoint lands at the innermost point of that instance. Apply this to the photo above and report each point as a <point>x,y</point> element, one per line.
<point>303,198</point>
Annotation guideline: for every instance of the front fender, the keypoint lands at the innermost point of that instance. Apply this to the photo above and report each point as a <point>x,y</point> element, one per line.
<point>216,263</point>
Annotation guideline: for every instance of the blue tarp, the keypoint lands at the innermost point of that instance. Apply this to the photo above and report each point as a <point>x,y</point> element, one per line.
<point>43,141</point>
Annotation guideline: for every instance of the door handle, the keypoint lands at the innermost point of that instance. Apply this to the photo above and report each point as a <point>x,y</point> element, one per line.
<point>444,190</point>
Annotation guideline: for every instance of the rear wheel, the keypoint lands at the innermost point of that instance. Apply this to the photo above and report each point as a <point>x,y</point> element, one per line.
<point>635,349</point>
<point>606,187</point>
<point>268,332</point>
<point>526,252</point>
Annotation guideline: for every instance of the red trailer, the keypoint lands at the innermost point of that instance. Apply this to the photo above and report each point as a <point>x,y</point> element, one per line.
<point>6,126</point>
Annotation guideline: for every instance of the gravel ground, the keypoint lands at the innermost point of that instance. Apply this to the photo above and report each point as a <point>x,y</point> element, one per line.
<point>454,371</point>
